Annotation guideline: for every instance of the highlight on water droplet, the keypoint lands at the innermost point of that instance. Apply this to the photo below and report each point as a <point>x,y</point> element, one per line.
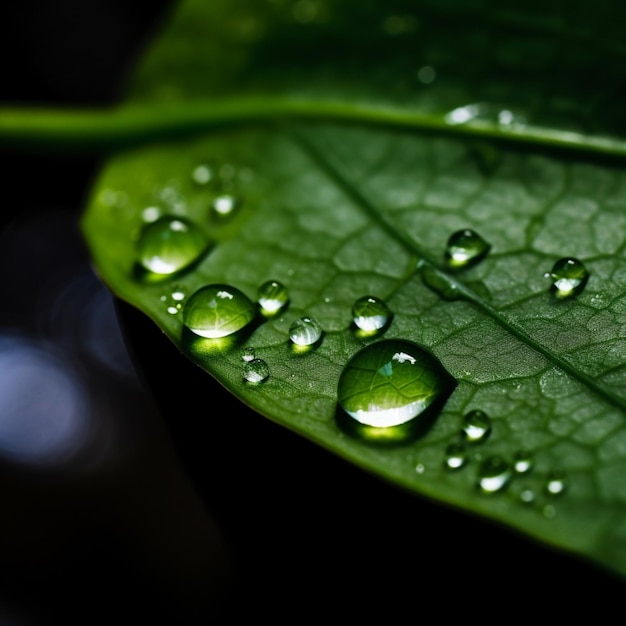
<point>218,310</point>
<point>465,247</point>
<point>305,331</point>
<point>224,206</point>
<point>256,371</point>
<point>523,461</point>
<point>476,426</point>
<point>527,495</point>
<point>556,483</point>
<point>370,314</point>
<point>273,297</point>
<point>494,474</point>
<point>456,456</point>
<point>569,277</point>
<point>393,382</point>
<point>170,244</point>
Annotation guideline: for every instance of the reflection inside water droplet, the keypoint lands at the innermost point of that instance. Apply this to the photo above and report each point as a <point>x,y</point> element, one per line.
<point>465,247</point>
<point>569,277</point>
<point>392,382</point>
<point>170,244</point>
<point>218,310</point>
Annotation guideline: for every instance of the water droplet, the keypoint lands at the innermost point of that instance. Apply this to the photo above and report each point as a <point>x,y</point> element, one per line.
<point>420,468</point>
<point>476,426</point>
<point>224,206</point>
<point>456,456</point>
<point>248,354</point>
<point>151,214</point>
<point>465,247</point>
<point>527,495</point>
<point>440,283</point>
<point>523,461</point>
<point>202,174</point>
<point>502,116</point>
<point>549,512</point>
<point>216,311</point>
<point>170,244</point>
<point>370,314</point>
<point>556,483</point>
<point>426,74</point>
<point>494,474</point>
<point>568,276</point>
<point>256,371</point>
<point>392,382</point>
<point>305,331</point>
<point>273,296</point>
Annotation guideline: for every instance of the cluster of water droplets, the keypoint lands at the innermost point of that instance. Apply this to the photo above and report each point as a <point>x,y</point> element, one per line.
<point>494,472</point>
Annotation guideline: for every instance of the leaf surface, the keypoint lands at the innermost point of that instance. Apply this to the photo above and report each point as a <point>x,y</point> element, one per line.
<point>364,134</point>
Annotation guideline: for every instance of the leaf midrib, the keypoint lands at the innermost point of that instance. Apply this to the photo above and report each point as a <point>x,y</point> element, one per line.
<point>99,130</point>
<point>379,216</point>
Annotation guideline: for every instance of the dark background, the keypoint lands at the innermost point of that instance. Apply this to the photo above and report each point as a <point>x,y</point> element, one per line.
<point>184,506</point>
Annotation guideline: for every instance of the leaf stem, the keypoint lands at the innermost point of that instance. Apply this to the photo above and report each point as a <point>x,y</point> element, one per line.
<point>99,130</point>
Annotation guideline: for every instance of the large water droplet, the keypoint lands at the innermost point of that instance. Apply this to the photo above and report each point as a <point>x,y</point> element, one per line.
<point>569,277</point>
<point>392,382</point>
<point>494,474</point>
<point>305,331</point>
<point>476,426</point>
<point>456,456</point>
<point>273,296</point>
<point>256,371</point>
<point>370,314</point>
<point>465,247</point>
<point>170,244</point>
<point>216,311</point>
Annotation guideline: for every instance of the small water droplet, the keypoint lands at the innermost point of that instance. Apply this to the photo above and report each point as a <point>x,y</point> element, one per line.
<point>420,468</point>
<point>476,426</point>
<point>248,354</point>
<point>527,495</point>
<point>569,277</point>
<point>456,456</point>
<point>305,331</point>
<point>256,371</point>
<point>392,382</point>
<point>218,310</point>
<point>202,174</point>
<point>370,314</point>
<point>273,297</point>
<point>465,247</point>
<point>225,206</point>
<point>151,214</point>
<point>494,474</point>
<point>556,483</point>
<point>549,511</point>
<point>426,74</point>
<point>170,244</point>
<point>523,461</point>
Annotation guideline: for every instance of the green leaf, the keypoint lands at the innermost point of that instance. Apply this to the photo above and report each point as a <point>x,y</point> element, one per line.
<point>351,140</point>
